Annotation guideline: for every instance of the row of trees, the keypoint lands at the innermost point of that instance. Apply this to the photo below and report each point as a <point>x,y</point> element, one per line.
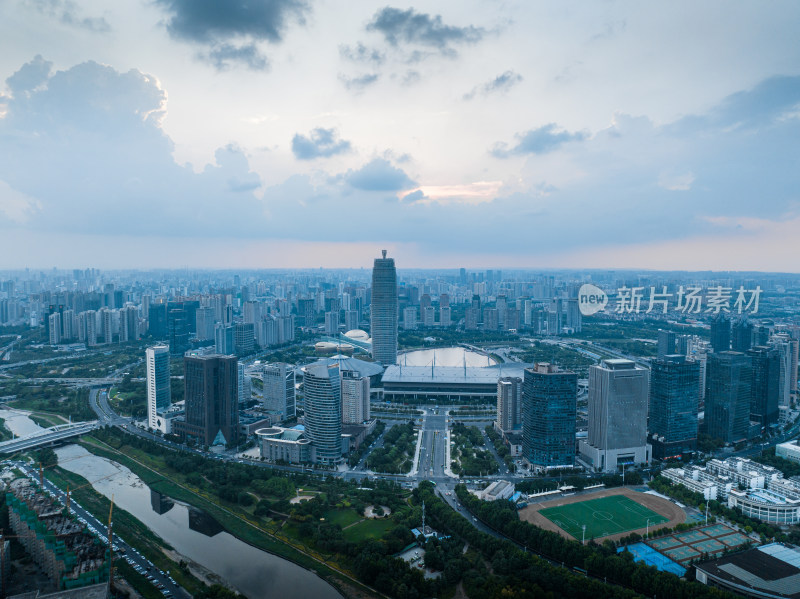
<point>396,454</point>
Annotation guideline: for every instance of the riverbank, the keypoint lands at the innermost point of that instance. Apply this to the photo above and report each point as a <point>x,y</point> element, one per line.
<point>241,524</point>
<point>129,528</point>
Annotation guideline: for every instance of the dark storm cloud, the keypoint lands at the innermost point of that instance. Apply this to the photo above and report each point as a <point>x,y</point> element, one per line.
<point>379,175</point>
<point>320,143</point>
<point>410,27</point>
<point>231,28</point>
<point>501,83</point>
<point>66,11</point>
<point>537,141</point>
<point>210,20</point>
<point>223,56</point>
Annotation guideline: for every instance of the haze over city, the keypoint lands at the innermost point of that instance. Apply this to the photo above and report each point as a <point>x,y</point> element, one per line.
<point>306,134</point>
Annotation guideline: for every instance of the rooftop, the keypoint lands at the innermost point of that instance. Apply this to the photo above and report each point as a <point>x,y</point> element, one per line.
<point>772,570</point>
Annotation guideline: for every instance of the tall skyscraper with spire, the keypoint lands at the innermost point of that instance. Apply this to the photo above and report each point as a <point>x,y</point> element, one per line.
<point>383,312</point>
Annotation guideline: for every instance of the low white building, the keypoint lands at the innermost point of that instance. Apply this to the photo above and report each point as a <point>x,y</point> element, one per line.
<point>759,491</point>
<point>788,451</point>
<point>499,489</point>
<point>693,479</point>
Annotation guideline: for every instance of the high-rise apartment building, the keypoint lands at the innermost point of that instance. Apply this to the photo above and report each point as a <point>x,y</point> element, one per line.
<point>244,341</point>
<point>323,412</point>
<point>618,394</point>
<point>204,323</point>
<point>211,399</point>
<point>409,319</point>
<point>159,394</point>
<point>509,403</point>
<point>383,311</point>
<point>729,382</point>
<point>674,403</point>
<point>332,323</point>
<point>549,406</point>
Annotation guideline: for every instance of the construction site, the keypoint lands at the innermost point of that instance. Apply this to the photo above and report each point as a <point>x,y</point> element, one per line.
<point>74,561</point>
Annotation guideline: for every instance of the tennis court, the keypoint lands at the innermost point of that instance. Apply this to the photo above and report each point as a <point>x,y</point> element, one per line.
<point>602,517</point>
<point>665,543</point>
<point>651,557</point>
<point>685,546</point>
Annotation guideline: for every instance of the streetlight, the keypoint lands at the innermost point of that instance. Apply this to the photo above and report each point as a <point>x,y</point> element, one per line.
<point>647,530</point>
<point>583,539</point>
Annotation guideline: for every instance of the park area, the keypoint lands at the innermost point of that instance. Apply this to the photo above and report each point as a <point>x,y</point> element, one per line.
<point>610,513</point>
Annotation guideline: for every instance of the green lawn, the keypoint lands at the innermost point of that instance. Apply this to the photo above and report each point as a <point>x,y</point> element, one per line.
<point>602,517</point>
<point>342,517</point>
<point>369,529</point>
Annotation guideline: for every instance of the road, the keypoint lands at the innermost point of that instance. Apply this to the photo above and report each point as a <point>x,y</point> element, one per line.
<point>120,547</point>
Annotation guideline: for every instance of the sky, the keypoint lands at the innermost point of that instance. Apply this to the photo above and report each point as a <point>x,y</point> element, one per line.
<point>474,133</point>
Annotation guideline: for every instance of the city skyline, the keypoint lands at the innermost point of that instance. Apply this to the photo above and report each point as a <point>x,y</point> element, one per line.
<point>174,137</point>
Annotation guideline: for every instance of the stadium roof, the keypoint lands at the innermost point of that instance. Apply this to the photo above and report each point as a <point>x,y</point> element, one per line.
<point>362,367</point>
<point>485,375</point>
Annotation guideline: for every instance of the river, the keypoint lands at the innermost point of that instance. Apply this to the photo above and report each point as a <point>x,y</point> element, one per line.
<point>17,422</point>
<point>254,573</point>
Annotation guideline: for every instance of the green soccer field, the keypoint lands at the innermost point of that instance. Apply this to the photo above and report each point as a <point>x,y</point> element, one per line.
<point>602,517</point>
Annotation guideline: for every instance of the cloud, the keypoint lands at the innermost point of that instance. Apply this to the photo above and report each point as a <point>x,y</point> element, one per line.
<point>502,83</point>
<point>537,141</point>
<point>320,143</point>
<point>410,27</point>
<point>359,83</point>
<point>360,53</point>
<point>379,175</point>
<point>223,56</point>
<point>763,105</point>
<point>15,206</point>
<point>30,75</point>
<point>676,182</point>
<point>66,11</point>
<point>231,29</point>
<point>84,151</point>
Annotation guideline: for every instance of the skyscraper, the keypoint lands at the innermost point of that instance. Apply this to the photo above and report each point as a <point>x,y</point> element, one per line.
<point>279,390</point>
<point>204,323</point>
<point>509,403</point>
<point>549,405</point>
<point>355,397</point>
<point>666,343</point>
<point>729,380</point>
<point>224,339</point>
<point>766,384</point>
<point>742,335</point>
<point>383,311</point>
<point>674,401</point>
<point>178,332</point>
<point>323,407</point>
<point>159,396</point>
<point>212,399</point>
<point>720,333</point>
<point>618,392</point>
